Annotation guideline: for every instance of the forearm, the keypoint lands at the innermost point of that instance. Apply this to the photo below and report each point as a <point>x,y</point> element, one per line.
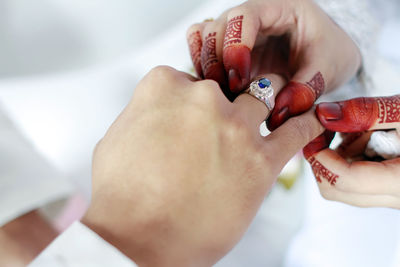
<point>22,239</point>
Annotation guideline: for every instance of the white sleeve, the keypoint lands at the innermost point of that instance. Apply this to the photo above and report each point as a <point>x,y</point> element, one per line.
<point>27,180</point>
<point>357,19</point>
<point>80,246</point>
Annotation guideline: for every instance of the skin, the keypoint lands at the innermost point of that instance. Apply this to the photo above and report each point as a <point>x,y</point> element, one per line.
<point>181,157</point>
<point>22,239</point>
<point>309,42</point>
<point>359,181</point>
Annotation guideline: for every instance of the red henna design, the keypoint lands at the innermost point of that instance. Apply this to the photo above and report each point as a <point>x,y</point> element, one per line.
<point>389,109</point>
<point>294,99</point>
<point>317,84</point>
<point>320,143</point>
<point>237,61</point>
<point>359,114</point>
<point>195,44</point>
<point>233,33</point>
<point>321,172</point>
<point>209,52</point>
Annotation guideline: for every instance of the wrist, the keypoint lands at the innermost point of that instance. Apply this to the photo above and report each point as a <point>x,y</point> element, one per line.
<point>134,240</point>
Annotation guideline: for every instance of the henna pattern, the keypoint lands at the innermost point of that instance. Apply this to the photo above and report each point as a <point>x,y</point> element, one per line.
<point>321,172</point>
<point>209,52</point>
<point>389,109</point>
<point>317,84</point>
<point>233,33</point>
<point>195,47</point>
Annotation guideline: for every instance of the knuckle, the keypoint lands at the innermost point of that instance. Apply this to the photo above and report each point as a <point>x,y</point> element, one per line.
<point>206,91</point>
<point>261,158</point>
<point>162,73</point>
<point>96,149</point>
<point>239,10</point>
<point>209,84</point>
<point>236,129</point>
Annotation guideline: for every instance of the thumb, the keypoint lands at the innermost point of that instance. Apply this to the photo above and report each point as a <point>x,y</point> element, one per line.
<point>360,114</point>
<point>292,136</point>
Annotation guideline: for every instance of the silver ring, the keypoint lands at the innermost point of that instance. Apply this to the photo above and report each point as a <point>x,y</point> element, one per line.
<point>263,91</point>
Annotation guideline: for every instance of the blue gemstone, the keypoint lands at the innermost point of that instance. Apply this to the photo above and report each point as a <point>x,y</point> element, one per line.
<point>264,83</point>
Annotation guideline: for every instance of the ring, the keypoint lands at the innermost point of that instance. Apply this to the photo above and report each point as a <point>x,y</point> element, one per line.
<point>263,91</point>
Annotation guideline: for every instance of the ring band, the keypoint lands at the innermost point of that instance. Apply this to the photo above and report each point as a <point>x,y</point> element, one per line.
<point>263,91</point>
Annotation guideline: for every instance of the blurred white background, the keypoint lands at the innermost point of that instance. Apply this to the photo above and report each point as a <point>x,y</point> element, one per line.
<point>67,68</point>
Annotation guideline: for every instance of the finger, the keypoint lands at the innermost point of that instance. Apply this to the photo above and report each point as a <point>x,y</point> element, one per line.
<point>361,114</point>
<point>320,143</point>
<point>195,43</point>
<point>244,24</point>
<point>360,200</point>
<point>353,145</point>
<point>211,53</point>
<point>297,97</point>
<point>292,136</point>
<point>271,56</point>
<point>362,177</point>
<point>252,110</point>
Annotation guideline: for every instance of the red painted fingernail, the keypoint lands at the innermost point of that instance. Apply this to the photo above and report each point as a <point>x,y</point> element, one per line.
<point>237,65</point>
<point>235,83</point>
<point>283,114</point>
<point>278,118</point>
<point>330,111</point>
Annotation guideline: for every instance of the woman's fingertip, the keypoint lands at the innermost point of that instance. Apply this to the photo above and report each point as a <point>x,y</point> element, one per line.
<point>329,111</point>
<point>237,65</point>
<point>320,143</point>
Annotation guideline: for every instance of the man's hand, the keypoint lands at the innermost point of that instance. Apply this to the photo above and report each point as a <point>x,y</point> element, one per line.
<point>180,174</point>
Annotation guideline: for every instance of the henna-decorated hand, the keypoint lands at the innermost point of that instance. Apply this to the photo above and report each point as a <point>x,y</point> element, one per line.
<point>294,38</point>
<point>340,176</point>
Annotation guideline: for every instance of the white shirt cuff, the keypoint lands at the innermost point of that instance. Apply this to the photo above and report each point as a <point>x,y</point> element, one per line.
<point>80,246</point>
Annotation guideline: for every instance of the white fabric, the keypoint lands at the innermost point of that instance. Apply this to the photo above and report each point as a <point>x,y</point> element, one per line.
<point>356,18</point>
<point>79,246</point>
<point>27,180</point>
<point>31,100</point>
<point>384,144</point>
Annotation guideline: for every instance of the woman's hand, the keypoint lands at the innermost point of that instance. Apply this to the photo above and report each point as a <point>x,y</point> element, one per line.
<point>180,174</point>
<point>292,37</point>
<point>340,177</point>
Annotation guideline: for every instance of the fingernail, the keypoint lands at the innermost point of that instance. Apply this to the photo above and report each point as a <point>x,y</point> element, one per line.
<point>283,114</point>
<point>278,118</point>
<point>235,83</point>
<point>330,111</point>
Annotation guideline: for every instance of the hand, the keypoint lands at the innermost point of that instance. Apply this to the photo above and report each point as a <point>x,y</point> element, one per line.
<point>340,178</point>
<point>180,174</point>
<point>23,238</point>
<point>314,53</point>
